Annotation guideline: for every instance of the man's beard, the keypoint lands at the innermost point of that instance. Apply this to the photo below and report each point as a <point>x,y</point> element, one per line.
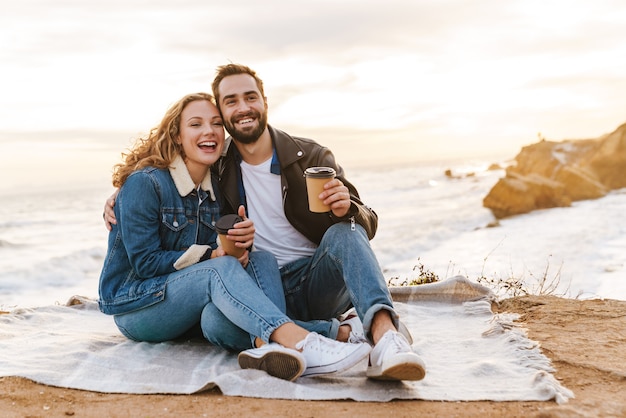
<point>248,137</point>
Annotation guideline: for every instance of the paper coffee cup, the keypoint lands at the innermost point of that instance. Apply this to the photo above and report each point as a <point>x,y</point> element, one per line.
<point>222,226</point>
<point>316,178</point>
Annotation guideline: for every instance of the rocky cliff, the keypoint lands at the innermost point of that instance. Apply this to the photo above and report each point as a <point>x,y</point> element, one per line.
<point>553,174</point>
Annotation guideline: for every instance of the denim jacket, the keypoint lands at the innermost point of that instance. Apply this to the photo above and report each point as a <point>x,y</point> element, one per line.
<point>163,225</point>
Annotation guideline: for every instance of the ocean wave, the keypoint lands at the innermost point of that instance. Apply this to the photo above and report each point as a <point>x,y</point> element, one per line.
<point>8,244</point>
<point>53,280</point>
<point>56,271</point>
<point>58,249</point>
<point>22,223</point>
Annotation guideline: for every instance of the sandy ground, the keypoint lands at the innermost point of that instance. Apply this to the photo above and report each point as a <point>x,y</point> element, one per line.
<point>586,341</point>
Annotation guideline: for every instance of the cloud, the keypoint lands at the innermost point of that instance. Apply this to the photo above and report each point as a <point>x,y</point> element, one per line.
<point>446,70</point>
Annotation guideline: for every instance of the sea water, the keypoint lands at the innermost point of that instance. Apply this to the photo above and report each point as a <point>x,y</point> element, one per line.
<point>53,239</point>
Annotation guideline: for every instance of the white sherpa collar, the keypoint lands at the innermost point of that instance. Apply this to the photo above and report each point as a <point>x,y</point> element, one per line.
<point>184,183</point>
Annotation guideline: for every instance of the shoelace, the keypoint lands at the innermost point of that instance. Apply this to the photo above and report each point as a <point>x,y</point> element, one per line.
<point>315,342</point>
<point>300,344</point>
<point>398,343</point>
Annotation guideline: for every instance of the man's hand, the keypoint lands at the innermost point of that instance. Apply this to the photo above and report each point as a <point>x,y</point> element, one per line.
<point>337,196</point>
<point>243,235</point>
<point>242,232</point>
<point>109,214</point>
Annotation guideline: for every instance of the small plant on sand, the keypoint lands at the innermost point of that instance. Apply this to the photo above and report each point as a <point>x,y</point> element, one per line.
<point>509,286</point>
<point>546,285</point>
<point>423,276</point>
<point>518,286</point>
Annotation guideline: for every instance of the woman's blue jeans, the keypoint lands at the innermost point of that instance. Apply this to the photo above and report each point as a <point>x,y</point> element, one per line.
<point>230,304</point>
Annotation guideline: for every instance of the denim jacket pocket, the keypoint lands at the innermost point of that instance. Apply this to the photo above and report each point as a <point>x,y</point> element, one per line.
<point>209,216</point>
<point>174,219</point>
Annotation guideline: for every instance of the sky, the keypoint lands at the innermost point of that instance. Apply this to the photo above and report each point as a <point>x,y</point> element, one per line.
<point>391,80</point>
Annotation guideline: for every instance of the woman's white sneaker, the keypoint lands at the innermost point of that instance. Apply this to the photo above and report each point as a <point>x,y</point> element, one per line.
<point>276,360</point>
<point>326,356</point>
<point>393,359</point>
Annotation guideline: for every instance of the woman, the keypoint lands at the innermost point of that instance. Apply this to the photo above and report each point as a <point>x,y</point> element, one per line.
<point>164,274</point>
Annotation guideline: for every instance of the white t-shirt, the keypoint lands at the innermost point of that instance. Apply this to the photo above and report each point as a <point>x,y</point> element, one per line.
<point>264,199</point>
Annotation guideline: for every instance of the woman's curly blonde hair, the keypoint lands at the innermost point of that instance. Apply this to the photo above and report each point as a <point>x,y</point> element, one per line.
<point>159,147</point>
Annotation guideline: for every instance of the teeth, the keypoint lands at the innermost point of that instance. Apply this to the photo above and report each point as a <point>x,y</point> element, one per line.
<point>247,120</point>
<point>208,144</point>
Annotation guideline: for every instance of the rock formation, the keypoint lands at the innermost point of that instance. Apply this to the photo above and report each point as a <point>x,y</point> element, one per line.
<point>554,174</point>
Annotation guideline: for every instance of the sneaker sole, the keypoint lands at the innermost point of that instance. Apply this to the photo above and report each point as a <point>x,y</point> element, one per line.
<point>281,365</point>
<point>342,365</point>
<point>399,370</point>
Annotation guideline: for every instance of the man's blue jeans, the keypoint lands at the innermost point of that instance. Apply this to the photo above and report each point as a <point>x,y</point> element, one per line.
<point>221,297</point>
<point>342,273</point>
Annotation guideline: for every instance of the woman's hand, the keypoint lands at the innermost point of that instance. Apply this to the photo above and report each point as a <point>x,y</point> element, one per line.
<point>219,252</point>
<point>244,259</point>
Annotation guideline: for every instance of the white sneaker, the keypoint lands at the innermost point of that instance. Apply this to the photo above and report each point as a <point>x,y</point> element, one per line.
<point>276,360</point>
<point>402,329</point>
<point>326,356</point>
<point>351,319</point>
<point>393,359</point>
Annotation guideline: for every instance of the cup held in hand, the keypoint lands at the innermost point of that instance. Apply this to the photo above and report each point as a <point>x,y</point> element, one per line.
<point>316,178</point>
<point>222,226</point>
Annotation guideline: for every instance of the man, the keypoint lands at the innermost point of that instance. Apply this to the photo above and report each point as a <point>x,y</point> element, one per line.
<point>327,264</point>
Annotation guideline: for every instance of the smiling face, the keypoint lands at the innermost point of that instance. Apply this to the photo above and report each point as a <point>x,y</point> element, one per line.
<point>243,107</point>
<point>201,135</point>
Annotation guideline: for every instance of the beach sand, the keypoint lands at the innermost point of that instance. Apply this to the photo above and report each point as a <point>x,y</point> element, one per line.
<point>586,341</point>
